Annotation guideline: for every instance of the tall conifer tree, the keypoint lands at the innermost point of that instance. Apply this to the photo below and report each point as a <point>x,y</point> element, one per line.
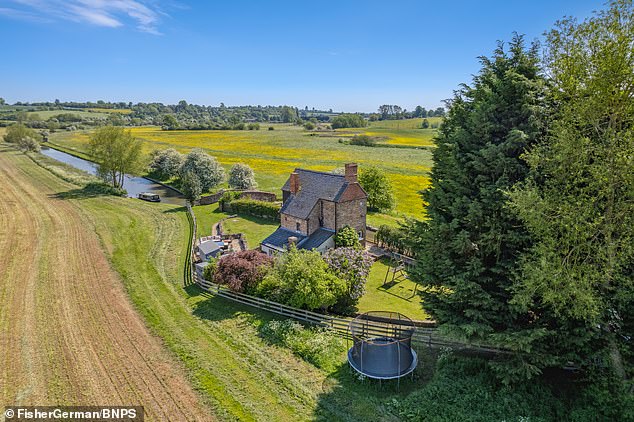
<point>470,246</point>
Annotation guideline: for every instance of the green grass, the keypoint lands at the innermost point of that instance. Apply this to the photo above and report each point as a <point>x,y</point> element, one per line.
<point>255,229</point>
<point>274,154</point>
<point>244,377</point>
<point>240,375</point>
<point>397,296</point>
<point>399,132</point>
<point>376,220</point>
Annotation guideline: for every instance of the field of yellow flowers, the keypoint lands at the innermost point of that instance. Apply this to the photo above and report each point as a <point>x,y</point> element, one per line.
<point>273,154</point>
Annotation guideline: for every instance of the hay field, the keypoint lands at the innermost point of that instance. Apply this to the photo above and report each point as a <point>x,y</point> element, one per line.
<point>70,335</point>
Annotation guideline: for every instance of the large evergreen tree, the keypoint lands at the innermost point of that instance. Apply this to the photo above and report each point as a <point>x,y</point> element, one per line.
<point>578,279</point>
<point>468,251</point>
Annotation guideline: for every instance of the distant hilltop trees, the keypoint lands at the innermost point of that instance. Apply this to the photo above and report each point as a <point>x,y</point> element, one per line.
<point>395,112</point>
<point>184,116</point>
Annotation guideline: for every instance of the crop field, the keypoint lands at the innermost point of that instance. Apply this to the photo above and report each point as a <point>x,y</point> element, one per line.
<point>274,154</point>
<point>70,334</point>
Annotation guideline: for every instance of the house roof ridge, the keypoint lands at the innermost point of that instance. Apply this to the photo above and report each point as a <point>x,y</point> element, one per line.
<point>327,173</point>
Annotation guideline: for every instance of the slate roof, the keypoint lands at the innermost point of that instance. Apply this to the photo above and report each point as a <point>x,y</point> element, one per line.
<point>279,238</point>
<point>316,239</point>
<point>209,246</point>
<point>315,185</point>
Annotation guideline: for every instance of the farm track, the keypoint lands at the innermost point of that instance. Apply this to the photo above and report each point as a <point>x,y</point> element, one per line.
<point>69,334</point>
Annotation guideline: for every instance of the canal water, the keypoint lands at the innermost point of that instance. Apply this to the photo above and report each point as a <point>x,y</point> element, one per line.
<point>134,185</point>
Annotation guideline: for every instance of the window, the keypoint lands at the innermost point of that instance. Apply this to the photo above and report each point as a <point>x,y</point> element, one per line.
<point>298,226</point>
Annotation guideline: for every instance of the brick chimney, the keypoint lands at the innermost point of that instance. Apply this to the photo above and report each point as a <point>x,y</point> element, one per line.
<point>351,172</point>
<point>295,186</point>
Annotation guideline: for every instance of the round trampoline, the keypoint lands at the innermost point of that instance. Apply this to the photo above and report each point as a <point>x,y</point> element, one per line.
<point>382,345</point>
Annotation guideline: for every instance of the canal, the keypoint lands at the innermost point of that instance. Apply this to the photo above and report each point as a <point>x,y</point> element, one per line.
<point>133,184</point>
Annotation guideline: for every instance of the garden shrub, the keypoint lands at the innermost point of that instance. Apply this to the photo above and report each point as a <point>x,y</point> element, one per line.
<point>347,237</point>
<point>210,270</point>
<point>394,239</point>
<point>264,209</point>
<point>353,266</point>
<point>302,279</point>
<point>315,345</point>
<point>242,271</point>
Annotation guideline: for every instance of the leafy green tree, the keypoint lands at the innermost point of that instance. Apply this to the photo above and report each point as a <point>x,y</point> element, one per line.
<point>302,279</point>
<point>578,279</point>
<point>378,187</point>
<point>425,124</point>
<point>166,163</point>
<point>209,172</point>
<point>190,186</point>
<point>16,133</point>
<point>2,102</point>
<point>241,176</point>
<point>348,120</point>
<point>21,116</point>
<point>169,120</point>
<point>116,152</point>
<point>29,144</point>
<point>347,237</point>
<point>468,250</point>
<point>289,114</point>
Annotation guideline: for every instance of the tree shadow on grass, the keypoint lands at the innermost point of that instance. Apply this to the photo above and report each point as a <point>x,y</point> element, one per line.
<point>175,210</point>
<point>216,308</point>
<point>90,190</point>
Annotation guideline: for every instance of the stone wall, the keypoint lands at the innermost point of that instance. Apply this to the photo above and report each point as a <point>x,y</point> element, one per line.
<point>258,195</point>
<point>290,223</point>
<point>352,213</point>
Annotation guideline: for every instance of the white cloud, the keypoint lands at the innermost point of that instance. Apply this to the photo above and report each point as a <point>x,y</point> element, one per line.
<point>106,13</point>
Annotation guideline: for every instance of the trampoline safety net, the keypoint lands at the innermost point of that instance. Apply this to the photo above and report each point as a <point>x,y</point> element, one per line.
<point>382,345</point>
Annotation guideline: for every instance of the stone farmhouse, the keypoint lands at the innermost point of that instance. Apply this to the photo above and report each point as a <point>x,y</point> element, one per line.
<point>315,206</point>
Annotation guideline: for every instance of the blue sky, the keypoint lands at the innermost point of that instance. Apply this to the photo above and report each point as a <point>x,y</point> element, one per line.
<point>345,55</point>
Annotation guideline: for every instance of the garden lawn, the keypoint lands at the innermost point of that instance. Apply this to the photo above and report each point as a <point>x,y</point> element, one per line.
<point>255,229</point>
<point>274,154</point>
<point>398,297</point>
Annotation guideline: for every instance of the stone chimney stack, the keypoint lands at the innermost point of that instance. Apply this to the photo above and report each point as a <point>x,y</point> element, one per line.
<point>351,172</point>
<point>295,186</point>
